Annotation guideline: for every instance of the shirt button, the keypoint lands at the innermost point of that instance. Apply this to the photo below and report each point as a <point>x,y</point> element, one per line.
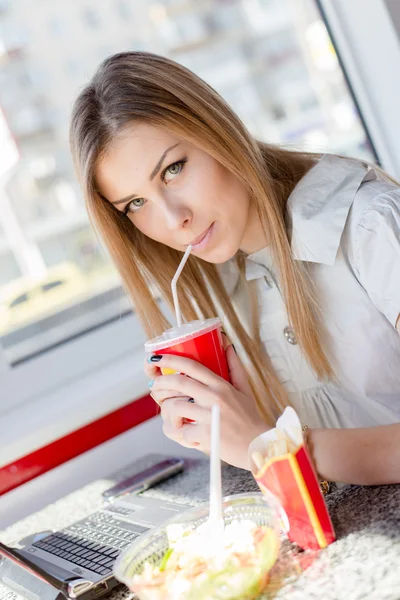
<point>290,335</point>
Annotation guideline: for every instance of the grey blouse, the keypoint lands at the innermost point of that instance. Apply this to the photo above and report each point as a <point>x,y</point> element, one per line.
<point>345,221</point>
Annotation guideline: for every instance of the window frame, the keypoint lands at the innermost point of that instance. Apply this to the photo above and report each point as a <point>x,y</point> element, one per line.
<point>101,348</point>
<point>99,353</point>
<point>374,89</point>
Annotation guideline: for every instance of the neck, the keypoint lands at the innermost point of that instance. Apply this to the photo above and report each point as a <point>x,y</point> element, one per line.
<point>254,238</point>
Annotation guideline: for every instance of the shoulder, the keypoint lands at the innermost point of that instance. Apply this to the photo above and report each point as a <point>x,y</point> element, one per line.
<point>375,211</point>
<point>375,202</point>
<point>319,206</point>
<point>371,244</point>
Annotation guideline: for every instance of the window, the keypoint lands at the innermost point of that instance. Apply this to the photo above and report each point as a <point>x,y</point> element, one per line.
<point>91,18</point>
<point>373,69</point>
<point>61,301</point>
<point>124,9</point>
<point>57,27</point>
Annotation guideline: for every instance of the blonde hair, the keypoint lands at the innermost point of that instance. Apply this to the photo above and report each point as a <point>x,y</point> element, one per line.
<point>142,87</point>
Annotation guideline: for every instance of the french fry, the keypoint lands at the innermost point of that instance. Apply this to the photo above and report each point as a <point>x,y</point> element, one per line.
<point>258,460</point>
<point>280,435</point>
<point>281,447</point>
<point>277,448</point>
<point>272,449</point>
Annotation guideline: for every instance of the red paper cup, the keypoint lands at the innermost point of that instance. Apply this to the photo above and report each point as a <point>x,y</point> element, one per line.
<point>199,340</point>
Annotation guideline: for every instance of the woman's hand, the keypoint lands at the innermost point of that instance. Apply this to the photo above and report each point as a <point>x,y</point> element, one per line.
<point>241,421</point>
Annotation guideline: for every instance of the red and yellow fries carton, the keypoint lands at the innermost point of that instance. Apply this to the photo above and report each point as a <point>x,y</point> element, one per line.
<point>281,465</point>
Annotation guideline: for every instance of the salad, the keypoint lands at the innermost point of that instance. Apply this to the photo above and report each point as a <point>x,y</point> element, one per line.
<point>199,564</point>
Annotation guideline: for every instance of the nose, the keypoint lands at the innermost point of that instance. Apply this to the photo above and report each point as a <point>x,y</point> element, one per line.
<point>177,214</point>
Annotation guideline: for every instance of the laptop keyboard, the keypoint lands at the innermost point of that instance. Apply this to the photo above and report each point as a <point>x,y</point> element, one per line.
<point>93,543</point>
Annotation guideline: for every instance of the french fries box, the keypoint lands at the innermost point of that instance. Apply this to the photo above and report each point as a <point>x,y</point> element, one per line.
<point>281,465</point>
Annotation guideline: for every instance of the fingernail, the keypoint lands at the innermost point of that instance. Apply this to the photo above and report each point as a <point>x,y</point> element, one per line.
<point>234,348</point>
<point>191,400</point>
<point>155,358</point>
<point>151,383</point>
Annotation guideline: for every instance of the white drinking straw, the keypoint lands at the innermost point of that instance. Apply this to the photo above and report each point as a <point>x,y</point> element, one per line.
<point>173,285</point>
<point>215,469</point>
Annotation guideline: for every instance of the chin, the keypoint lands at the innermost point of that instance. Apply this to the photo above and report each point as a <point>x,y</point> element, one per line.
<point>217,256</point>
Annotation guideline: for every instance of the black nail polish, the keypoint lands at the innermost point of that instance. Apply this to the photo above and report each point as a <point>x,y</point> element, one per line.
<point>156,358</point>
<point>191,400</point>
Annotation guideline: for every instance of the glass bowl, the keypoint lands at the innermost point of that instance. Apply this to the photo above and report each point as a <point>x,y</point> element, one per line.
<point>152,546</point>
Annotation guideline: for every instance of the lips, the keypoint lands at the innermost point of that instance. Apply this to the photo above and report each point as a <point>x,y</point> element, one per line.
<point>200,237</point>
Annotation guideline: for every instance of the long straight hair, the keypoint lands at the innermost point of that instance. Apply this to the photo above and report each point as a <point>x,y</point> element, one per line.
<point>135,87</point>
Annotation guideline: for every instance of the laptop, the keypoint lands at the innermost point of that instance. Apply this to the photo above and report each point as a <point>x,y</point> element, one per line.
<point>78,560</point>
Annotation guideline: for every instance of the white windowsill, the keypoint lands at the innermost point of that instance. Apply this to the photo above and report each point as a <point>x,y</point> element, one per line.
<point>43,420</point>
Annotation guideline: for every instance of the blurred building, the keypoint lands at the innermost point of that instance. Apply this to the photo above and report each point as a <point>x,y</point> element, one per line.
<point>272,60</point>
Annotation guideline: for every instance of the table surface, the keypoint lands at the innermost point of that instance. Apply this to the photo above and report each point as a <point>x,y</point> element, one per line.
<point>364,563</point>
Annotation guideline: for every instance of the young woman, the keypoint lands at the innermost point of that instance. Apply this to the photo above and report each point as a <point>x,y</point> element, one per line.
<point>299,255</point>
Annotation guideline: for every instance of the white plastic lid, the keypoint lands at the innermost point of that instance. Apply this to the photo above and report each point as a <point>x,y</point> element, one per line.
<point>177,335</point>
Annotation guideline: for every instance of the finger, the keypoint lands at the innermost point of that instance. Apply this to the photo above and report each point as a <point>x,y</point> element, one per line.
<point>178,422</point>
<point>196,435</point>
<point>175,435</point>
<point>225,340</point>
<point>161,396</point>
<point>158,410</point>
<point>151,369</point>
<point>189,367</point>
<point>179,385</point>
<point>237,372</point>
<point>176,410</point>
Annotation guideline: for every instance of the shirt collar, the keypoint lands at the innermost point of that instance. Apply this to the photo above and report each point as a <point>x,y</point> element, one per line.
<point>317,210</point>
<point>259,264</point>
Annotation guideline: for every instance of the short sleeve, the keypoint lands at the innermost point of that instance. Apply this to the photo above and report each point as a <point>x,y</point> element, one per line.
<point>375,252</point>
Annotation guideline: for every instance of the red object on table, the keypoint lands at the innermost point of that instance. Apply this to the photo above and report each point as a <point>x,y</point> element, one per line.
<point>292,479</point>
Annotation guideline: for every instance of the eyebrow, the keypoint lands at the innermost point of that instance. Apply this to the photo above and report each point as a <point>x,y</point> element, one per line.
<point>152,175</point>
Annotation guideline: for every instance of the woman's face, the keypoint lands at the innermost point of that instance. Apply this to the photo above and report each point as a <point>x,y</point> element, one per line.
<point>175,193</point>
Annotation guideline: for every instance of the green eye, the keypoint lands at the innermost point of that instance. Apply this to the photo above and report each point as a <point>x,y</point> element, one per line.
<point>174,169</point>
<point>138,202</point>
<point>134,205</point>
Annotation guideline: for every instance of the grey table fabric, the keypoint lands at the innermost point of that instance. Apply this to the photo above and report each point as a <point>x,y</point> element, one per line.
<point>364,563</point>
